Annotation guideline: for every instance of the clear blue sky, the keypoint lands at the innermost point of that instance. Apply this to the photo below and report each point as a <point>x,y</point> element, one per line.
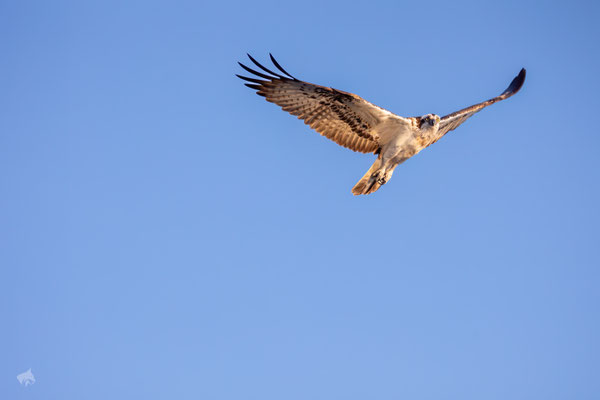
<point>167,234</point>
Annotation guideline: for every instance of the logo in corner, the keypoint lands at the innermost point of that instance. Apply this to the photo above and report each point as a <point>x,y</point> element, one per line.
<point>26,378</point>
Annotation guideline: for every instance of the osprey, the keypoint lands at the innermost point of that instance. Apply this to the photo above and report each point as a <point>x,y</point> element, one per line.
<point>353,122</point>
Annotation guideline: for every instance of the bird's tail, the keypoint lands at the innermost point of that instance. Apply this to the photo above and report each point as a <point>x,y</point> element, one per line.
<point>368,183</point>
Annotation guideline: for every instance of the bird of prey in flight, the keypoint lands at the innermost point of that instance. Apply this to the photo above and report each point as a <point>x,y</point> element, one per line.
<point>353,122</point>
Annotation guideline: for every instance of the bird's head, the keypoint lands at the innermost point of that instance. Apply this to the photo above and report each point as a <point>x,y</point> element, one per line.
<point>429,122</point>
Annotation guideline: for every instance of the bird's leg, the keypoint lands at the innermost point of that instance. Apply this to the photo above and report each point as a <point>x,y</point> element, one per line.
<point>382,175</point>
<point>385,176</point>
<point>388,165</point>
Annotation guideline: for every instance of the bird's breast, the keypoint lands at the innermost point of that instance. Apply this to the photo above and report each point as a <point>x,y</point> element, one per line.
<point>426,137</point>
<point>392,130</point>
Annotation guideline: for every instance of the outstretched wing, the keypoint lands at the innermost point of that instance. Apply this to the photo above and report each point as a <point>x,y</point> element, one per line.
<point>452,121</point>
<point>343,117</point>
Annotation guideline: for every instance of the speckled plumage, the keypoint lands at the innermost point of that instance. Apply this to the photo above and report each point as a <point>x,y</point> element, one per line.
<point>356,124</point>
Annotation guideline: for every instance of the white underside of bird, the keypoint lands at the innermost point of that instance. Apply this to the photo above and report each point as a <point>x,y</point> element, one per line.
<point>399,139</point>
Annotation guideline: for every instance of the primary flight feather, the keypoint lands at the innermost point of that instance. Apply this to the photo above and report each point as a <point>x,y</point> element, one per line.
<point>352,122</point>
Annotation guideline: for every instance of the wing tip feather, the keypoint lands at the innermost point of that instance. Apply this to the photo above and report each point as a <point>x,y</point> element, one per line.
<point>276,76</point>
<point>516,84</point>
<point>259,65</point>
<point>279,67</point>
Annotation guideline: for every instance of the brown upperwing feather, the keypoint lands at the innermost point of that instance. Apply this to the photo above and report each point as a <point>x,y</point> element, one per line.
<point>343,117</point>
<point>452,121</point>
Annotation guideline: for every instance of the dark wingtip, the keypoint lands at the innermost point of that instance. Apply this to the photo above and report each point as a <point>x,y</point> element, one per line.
<point>255,72</point>
<point>250,79</point>
<point>516,84</point>
<point>279,67</point>
<point>259,65</point>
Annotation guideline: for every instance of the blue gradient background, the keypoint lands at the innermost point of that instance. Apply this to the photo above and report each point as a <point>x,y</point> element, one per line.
<point>167,234</point>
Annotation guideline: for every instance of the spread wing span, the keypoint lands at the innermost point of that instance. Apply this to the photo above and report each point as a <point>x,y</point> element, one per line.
<point>452,121</point>
<point>343,117</point>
